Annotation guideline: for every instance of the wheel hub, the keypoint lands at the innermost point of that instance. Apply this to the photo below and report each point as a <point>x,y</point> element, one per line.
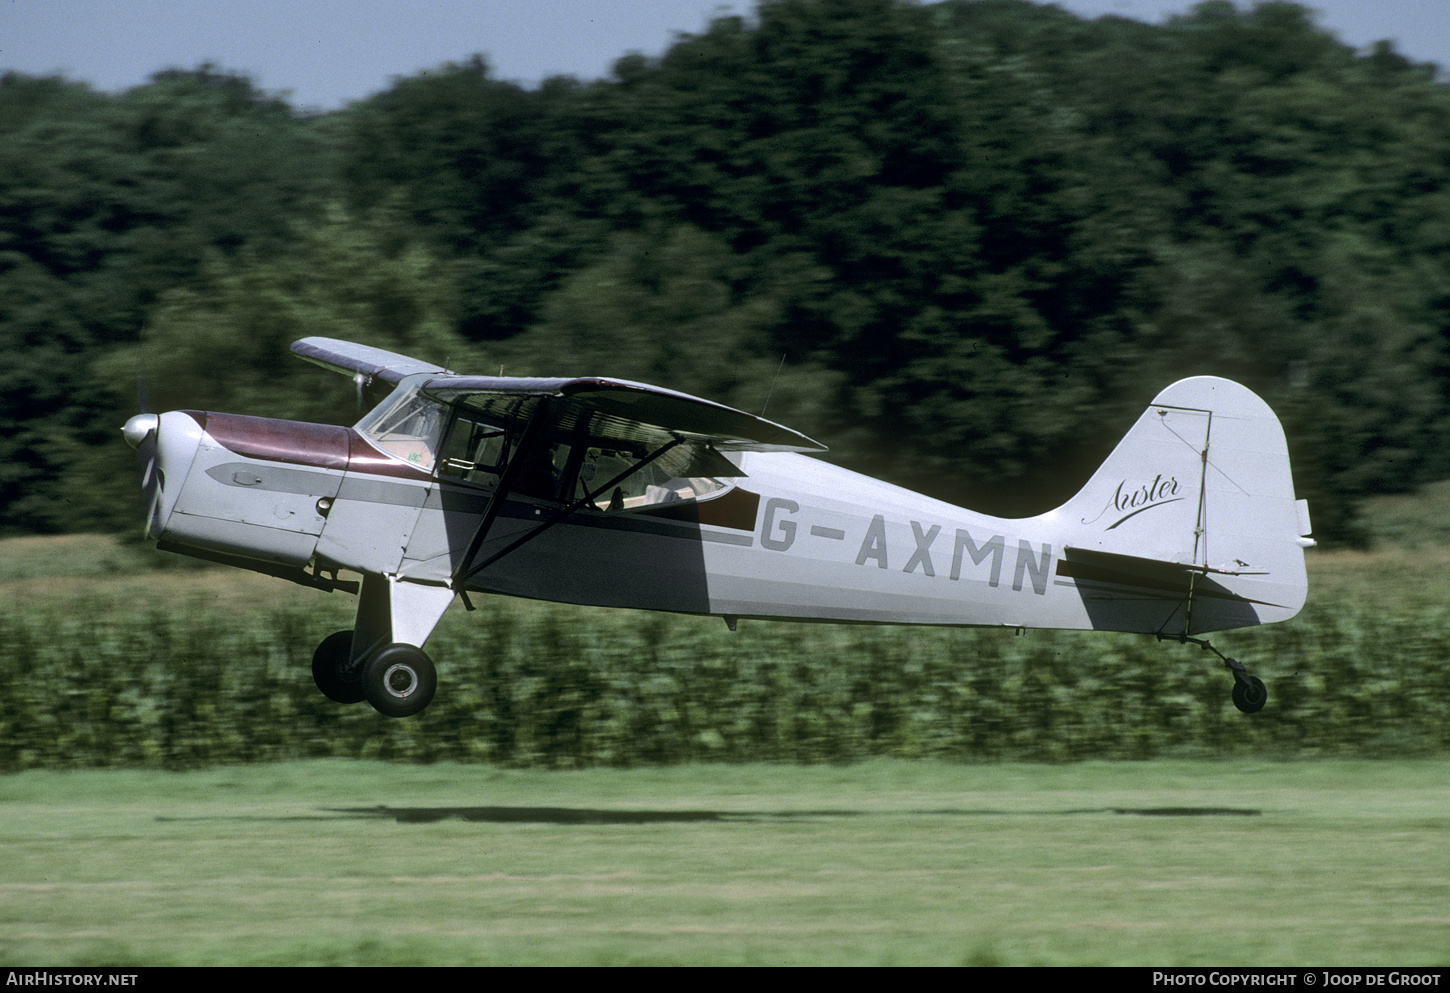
<point>400,680</point>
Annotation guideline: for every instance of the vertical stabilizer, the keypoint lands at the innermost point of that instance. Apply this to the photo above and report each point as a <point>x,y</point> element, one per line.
<point>1195,510</point>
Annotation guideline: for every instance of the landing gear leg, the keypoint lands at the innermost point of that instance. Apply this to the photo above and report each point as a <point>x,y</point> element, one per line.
<point>1249,692</point>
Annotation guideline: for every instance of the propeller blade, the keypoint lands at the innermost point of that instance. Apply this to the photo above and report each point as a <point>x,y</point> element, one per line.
<point>143,400</point>
<point>141,432</point>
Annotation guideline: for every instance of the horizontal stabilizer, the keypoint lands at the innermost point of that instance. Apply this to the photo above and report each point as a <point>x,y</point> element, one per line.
<point>1134,565</point>
<point>1120,591</point>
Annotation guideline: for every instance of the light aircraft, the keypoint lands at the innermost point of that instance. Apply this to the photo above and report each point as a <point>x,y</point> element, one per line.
<point>614,493</point>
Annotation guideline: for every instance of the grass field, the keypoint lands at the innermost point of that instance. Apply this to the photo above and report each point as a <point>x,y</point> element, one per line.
<point>890,863</point>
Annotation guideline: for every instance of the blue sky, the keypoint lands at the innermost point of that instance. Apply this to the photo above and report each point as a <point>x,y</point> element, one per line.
<point>326,53</point>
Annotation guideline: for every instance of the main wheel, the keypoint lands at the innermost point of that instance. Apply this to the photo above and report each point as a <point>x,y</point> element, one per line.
<point>399,680</point>
<point>1250,697</point>
<point>330,670</point>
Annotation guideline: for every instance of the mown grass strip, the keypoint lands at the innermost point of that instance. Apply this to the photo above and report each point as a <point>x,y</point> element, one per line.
<point>883,862</point>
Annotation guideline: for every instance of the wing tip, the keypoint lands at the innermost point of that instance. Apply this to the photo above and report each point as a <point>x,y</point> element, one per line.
<point>349,358</point>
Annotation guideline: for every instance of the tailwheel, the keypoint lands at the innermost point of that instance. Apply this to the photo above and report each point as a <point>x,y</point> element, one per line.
<point>338,681</point>
<point>1249,694</point>
<point>399,680</point>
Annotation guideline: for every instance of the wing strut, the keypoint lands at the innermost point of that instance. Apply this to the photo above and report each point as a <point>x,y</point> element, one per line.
<point>495,502</point>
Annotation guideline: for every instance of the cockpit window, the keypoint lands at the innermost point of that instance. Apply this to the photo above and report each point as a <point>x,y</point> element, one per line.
<point>475,452</point>
<point>564,468</point>
<point>650,486</point>
<point>406,426</point>
<point>567,468</point>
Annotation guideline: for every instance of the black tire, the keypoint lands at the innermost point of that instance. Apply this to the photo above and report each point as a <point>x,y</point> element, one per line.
<point>330,671</point>
<point>1250,697</point>
<point>399,680</point>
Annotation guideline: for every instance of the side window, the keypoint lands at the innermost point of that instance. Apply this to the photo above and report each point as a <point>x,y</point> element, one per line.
<point>567,470</point>
<point>651,486</point>
<point>475,452</point>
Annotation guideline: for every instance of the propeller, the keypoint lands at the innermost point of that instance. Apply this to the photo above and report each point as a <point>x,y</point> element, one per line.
<point>142,431</point>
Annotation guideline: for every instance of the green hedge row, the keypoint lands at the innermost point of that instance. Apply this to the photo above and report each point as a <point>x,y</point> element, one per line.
<point>524,684</point>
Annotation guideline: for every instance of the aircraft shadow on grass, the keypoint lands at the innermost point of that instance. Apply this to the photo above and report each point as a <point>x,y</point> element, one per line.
<point>584,815</point>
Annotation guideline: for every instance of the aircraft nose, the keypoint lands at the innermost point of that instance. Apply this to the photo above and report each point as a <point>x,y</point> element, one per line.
<point>138,427</point>
<point>166,446</point>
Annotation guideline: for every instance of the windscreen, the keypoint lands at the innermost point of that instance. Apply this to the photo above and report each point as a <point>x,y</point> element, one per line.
<point>406,426</point>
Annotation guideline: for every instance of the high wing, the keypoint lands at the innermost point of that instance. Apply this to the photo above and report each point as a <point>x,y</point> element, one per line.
<point>615,409</point>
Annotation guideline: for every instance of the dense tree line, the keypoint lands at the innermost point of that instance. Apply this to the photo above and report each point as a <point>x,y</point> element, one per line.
<point>964,243</point>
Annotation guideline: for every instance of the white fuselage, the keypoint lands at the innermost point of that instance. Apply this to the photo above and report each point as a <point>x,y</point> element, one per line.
<point>1166,538</point>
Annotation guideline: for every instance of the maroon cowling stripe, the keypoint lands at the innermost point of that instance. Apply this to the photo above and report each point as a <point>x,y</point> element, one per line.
<point>301,443</point>
<point>293,442</point>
